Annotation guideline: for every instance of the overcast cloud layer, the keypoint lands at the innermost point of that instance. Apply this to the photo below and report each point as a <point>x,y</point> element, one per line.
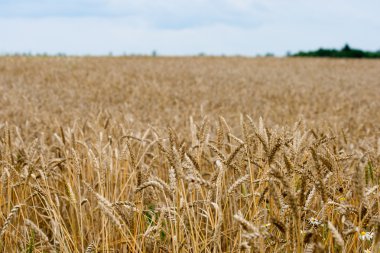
<point>178,27</point>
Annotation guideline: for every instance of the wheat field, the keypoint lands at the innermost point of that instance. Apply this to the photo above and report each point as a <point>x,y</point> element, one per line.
<point>196,154</point>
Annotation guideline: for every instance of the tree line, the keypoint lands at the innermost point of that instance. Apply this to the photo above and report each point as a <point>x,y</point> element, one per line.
<point>345,52</point>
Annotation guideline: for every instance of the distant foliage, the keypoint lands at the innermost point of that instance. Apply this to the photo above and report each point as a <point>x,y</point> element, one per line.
<point>345,52</point>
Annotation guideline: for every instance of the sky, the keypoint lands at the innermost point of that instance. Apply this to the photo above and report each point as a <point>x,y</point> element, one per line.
<point>179,27</point>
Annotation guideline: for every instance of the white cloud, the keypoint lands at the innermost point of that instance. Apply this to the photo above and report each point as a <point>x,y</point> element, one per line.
<point>186,27</point>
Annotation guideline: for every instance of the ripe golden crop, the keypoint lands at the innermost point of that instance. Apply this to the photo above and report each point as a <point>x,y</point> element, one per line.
<point>189,155</point>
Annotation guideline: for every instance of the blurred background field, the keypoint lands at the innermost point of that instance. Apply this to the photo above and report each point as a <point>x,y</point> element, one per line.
<point>49,91</point>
